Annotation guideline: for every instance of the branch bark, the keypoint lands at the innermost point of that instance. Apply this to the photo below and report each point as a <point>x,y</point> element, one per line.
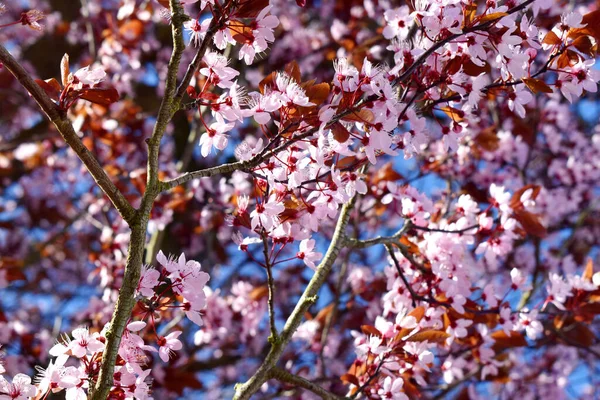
<point>284,376</point>
<point>123,307</point>
<point>361,244</point>
<point>139,226</point>
<point>168,106</point>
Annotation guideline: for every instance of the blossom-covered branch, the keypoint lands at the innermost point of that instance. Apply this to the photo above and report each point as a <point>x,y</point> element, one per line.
<point>65,128</point>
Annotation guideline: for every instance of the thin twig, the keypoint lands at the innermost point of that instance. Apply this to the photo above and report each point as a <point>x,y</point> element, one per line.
<point>271,285</point>
<point>361,244</point>
<point>283,376</point>
<point>414,296</point>
<point>368,381</point>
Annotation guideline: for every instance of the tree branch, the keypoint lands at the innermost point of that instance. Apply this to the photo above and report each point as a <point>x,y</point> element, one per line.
<point>361,244</point>
<point>64,127</point>
<point>271,285</point>
<point>284,376</point>
<point>168,105</point>
<point>126,300</point>
<point>414,296</point>
<point>309,297</point>
<point>195,64</point>
<point>123,307</point>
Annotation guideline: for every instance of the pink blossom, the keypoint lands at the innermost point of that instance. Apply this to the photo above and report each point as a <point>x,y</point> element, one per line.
<point>398,23</point>
<point>217,70</point>
<point>168,345</point>
<point>197,30</point>
<point>392,389</point>
<point>20,388</point>
<point>91,78</point>
<point>307,253</point>
<point>572,19</point>
<point>517,99</point>
<point>459,330</point>
<point>266,214</point>
<point>558,291</point>
<point>215,136</point>
<point>262,34</point>
<point>148,281</point>
<point>83,343</point>
<point>528,321</point>
<point>519,281</point>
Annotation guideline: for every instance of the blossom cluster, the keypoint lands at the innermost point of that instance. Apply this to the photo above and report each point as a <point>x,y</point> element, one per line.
<point>423,164</point>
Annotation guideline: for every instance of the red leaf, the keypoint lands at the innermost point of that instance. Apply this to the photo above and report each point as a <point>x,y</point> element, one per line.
<point>454,113</point>
<point>385,174</point>
<point>360,116</point>
<point>552,39</point>
<point>251,8</point>
<point>51,87</point>
<point>259,293</point>
<point>177,380</point>
<point>469,14</point>
<point>371,331</point>
<point>487,139</point>
<point>301,3</point>
<point>102,96</point>
<point>340,133</point>
<point>584,44</point>
<point>350,379</point>
<point>293,69</point>
<point>588,273</point>
<point>269,80</point>
<point>504,341</point>
<point>537,85</point>
<point>430,335</point>
<point>578,334</point>
<point>492,17</point>
<point>132,30</point>
<point>530,223</point>
<point>318,93</point>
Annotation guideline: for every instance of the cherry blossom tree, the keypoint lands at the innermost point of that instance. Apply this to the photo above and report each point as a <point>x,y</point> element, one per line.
<point>344,199</point>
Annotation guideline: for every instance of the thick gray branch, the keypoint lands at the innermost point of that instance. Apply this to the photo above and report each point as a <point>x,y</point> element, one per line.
<point>126,299</point>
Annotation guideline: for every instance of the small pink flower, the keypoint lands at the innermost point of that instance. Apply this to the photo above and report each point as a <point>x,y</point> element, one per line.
<point>148,281</point>
<point>197,30</point>
<point>20,388</point>
<point>308,254</point>
<point>517,99</point>
<point>31,18</point>
<point>83,343</point>
<point>266,213</point>
<point>86,77</point>
<point>392,389</point>
<point>169,344</point>
<point>519,281</point>
<point>215,136</point>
